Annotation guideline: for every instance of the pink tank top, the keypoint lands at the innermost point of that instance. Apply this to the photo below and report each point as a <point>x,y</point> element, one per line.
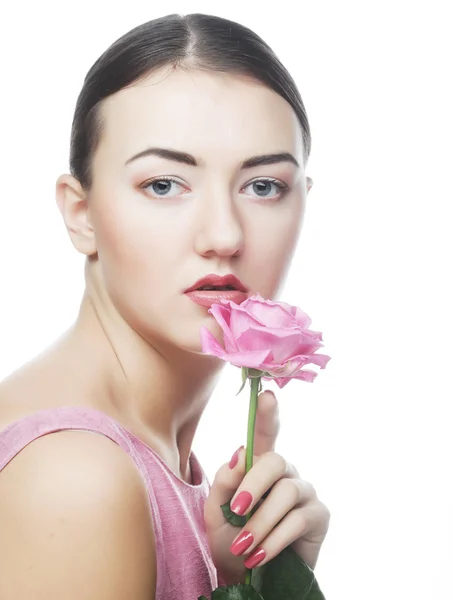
<point>185,569</point>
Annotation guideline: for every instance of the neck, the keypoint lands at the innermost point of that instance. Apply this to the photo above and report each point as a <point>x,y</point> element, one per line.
<point>157,391</point>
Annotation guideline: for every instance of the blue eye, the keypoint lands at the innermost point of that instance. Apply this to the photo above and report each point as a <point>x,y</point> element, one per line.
<point>261,187</point>
<point>162,185</point>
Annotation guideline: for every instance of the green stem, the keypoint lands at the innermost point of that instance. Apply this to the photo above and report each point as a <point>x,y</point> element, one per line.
<point>254,385</point>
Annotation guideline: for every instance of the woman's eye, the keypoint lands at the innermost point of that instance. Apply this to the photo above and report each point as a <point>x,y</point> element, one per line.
<point>161,186</point>
<point>262,187</point>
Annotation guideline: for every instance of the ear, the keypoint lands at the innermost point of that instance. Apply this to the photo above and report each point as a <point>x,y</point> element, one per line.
<point>73,204</point>
<point>309,184</point>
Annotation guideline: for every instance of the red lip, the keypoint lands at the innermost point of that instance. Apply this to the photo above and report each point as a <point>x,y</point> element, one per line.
<point>217,280</point>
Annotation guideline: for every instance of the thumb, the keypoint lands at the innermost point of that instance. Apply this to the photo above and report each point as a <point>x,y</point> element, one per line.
<point>267,425</point>
<point>227,480</point>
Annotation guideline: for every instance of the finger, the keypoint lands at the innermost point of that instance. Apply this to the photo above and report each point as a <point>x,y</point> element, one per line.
<point>267,425</point>
<point>226,482</point>
<point>291,528</point>
<point>269,469</point>
<point>285,495</point>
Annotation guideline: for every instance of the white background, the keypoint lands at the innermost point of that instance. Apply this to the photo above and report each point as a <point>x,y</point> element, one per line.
<point>372,269</point>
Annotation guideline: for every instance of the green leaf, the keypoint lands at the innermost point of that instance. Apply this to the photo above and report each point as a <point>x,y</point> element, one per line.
<point>238,520</point>
<point>241,388</point>
<point>240,591</point>
<point>245,374</point>
<point>232,517</point>
<point>286,577</point>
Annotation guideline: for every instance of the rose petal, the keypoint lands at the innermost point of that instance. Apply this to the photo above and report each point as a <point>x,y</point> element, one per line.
<point>284,343</point>
<point>209,344</point>
<point>222,315</point>
<point>270,313</point>
<point>301,317</point>
<point>260,306</point>
<point>242,320</point>
<point>286,369</point>
<point>320,360</point>
<point>305,375</point>
<point>280,342</point>
<point>248,359</point>
<point>316,335</point>
<point>296,363</point>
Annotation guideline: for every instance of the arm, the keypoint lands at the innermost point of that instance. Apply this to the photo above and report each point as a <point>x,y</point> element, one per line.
<point>75,523</point>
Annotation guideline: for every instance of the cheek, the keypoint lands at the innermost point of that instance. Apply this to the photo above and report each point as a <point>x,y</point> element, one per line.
<point>133,265</point>
<point>127,236</point>
<point>126,251</point>
<point>138,247</point>
<point>271,254</point>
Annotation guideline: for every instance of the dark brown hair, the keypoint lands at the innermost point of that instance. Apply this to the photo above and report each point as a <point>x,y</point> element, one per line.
<point>195,41</point>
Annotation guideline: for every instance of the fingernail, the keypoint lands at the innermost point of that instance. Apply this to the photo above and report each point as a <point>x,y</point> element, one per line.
<point>255,558</point>
<point>244,541</point>
<point>241,503</point>
<point>235,458</point>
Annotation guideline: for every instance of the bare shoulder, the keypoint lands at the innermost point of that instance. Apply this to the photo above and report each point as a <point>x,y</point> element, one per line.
<point>22,392</point>
<point>36,385</point>
<point>75,522</point>
<point>13,403</point>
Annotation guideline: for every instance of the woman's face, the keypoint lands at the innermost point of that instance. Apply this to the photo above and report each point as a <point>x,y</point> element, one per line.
<point>161,224</point>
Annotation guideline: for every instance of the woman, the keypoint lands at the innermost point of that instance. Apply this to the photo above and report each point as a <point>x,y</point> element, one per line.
<point>188,152</point>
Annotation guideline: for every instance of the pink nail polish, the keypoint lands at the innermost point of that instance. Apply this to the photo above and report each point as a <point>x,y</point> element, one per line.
<point>242,502</point>
<point>255,558</point>
<point>244,541</point>
<point>235,458</point>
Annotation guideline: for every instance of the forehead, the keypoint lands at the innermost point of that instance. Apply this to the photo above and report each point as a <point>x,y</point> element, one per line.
<point>201,113</point>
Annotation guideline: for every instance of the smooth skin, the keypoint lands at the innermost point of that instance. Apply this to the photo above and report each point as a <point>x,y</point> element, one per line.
<point>134,351</point>
<point>75,523</point>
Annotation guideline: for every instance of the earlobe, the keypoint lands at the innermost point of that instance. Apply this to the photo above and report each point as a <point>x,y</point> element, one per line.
<point>73,205</point>
<point>309,184</point>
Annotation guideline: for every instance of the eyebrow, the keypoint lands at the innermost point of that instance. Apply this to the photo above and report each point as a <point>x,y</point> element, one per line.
<point>188,159</point>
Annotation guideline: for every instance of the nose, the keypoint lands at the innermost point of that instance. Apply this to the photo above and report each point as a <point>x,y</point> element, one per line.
<point>218,227</point>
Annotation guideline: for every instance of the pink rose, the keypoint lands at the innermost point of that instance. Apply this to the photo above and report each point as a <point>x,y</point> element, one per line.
<point>272,337</point>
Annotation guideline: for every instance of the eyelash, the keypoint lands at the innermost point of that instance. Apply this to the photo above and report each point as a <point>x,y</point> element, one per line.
<point>282,186</point>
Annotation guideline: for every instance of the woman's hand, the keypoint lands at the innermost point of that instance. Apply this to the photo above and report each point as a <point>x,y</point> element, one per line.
<point>291,514</point>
